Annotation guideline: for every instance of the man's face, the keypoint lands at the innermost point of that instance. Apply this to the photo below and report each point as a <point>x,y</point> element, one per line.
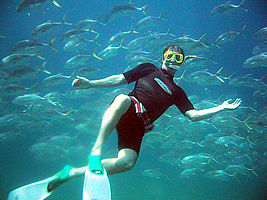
<point>173,59</point>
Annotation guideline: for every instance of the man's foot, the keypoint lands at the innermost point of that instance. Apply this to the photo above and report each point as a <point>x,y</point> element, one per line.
<point>59,178</point>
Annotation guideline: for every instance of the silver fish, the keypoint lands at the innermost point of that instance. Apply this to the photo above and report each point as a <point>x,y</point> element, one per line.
<point>240,169</point>
<point>87,71</point>
<point>152,39</point>
<point>229,37</point>
<point>123,10</point>
<point>139,59</point>
<point>192,45</point>
<point>110,51</point>
<point>205,78</point>
<point>187,173</point>
<point>78,60</point>
<point>226,8</point>
<point>13,90</point>
<point>154,173</point>
<point>87,23</point>
<point>75,34</point>
<point>219,175</point>
<point>31,46</point>
<point>25,72</point>
<point>115,39</point>
<point>48,27</point>
<point>197,61</point>
<point>28,5</point>
<point>256,61</point>
<point>149,22</point>
<point>56,79</point>
<point>261,34</point>
<point>197,160</point>
<point>17,59</point>
<point>33,100</point>
<point>9,120</point>
<point>259,49</point>
<point>248,81</point>
<point>80,44</point>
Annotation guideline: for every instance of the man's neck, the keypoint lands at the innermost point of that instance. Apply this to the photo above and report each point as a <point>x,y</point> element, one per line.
<point>168,69</point>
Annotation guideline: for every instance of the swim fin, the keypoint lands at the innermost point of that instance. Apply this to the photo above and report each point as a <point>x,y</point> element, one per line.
<point>36,191</point>
<point>96,184</point>
<point>41,189</point>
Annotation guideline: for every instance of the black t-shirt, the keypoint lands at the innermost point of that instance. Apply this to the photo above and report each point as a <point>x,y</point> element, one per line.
<point>155,89</point>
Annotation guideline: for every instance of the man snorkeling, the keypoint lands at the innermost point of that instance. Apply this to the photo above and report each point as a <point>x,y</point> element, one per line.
<point>133,115</point>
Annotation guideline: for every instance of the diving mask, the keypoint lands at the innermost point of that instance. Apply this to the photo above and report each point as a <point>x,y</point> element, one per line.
<point>173,57</point>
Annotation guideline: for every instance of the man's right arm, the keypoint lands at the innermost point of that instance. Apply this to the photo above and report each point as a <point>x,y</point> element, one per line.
<point>111,81</point>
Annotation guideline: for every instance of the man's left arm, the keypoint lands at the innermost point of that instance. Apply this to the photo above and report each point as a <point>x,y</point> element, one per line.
<point>197,115</point>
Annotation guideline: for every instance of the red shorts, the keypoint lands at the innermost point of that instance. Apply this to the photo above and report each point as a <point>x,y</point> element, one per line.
<point>130,130</point>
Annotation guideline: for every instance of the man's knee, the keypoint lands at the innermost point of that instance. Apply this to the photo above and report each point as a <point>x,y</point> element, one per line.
<point>127,159</point>
<point>126,165</point>
<point>122,102</point>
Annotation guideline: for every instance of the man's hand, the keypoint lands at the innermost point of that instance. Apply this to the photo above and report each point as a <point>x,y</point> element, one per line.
<point>231,106</point>
<point>81,83</point>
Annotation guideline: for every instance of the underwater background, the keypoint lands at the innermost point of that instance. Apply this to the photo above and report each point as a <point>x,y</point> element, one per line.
<point>36,150</point>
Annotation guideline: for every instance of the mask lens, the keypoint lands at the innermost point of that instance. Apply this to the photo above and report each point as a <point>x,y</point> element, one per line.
<point>169,56</point>
<point>178,58</point>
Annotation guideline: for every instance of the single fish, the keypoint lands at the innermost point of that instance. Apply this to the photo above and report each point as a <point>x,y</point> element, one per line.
<point>86,71</point>
<point>13,90</point>
<point>187,173</point>
<point>151,40</point>
<point>205,78</point>
<point>139,59</point>
<point>32,46</point>
<point>259,49</point>
<point>229,37</point>
<point>149,22</point>
<point>28,5</point>
<point>48,27</point>
<point>116,39</point>
<point>76,34</point>
<point>197,61</point>
<point>261,34</point>
<point>197,160</point>
<point>87,23</point>
<point>256,61</point>
<point>154,173</point>
<point>240,169</point>
<point>226,8</point>
<point>80,44</point>
<point>80,60</point>
<point>10,119</point>
<point>123,10</point>
<point>219,175</point>
<point>248,81</point>
<point>17,59</point>
<point>110,51</point>
<point>192,45</point>
<point>34,100</point>
<point>22,73</point>
<point>56,79</point>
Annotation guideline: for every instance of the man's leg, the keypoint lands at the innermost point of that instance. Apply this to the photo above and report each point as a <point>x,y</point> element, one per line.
<point>126,157</point>
<point>110,119</point>
<point>124,162</point>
